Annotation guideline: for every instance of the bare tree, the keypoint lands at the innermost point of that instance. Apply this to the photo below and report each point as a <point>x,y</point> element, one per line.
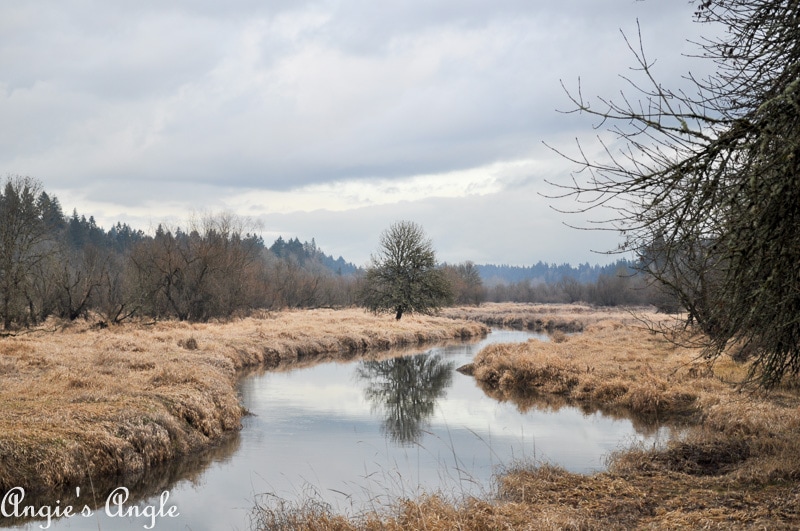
<point>117,295</point>
<point>403,276</point>
<point>714,178</point>
<point>466,283</point>
<point>195,276</point>
<point>79,275</point>
<point>22,246</point>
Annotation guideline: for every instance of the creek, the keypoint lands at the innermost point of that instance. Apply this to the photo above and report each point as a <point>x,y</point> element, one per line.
<point>356,435</point>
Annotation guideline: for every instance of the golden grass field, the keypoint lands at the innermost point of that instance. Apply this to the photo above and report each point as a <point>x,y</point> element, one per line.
<point>734,465</point>
<point>80,402</point>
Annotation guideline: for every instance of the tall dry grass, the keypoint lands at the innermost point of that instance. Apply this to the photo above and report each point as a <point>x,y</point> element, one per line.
<point>85,403</point>
<point>613,365</point>
<point>734,463</point>
<point>548,318</point>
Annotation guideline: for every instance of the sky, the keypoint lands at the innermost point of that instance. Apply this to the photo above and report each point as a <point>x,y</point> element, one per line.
<point>327,119</point>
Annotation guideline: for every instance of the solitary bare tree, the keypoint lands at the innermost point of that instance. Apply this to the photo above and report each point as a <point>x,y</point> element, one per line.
<point>403,276</point>
<point>707,188</point>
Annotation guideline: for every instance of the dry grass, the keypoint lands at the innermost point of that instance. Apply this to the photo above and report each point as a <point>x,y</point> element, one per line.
<point>734,465</point>
<point>614,365</point>
<point>100,402</point>
<point>540,317</point>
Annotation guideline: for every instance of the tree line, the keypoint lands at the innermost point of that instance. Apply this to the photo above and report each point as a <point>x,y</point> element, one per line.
<point>404,277</point>
<point>52,264</point>
<point>67,266</point>
<point>543,272</point>
<point>622,285</point>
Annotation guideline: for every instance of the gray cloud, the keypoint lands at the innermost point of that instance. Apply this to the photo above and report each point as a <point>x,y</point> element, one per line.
<point>181,103</point>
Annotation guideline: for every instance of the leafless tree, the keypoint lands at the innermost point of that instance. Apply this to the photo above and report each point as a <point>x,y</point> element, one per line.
<point>712,177</point>
<point>403,276</point>
<point>23,237</point>
<point>466,283</point>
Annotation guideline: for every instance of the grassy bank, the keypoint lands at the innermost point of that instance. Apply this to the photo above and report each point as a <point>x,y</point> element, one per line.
<point>538,317</point>
<point>735,463</point>
<point>81,403</point>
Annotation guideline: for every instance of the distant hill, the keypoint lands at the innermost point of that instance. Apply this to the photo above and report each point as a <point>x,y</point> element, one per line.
<point>305,253</point>
<point>544,273</point>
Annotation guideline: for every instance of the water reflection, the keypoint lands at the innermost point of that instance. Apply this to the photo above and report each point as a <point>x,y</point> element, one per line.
<point>362,434</point>
<point>646,424</point>
<point>143,487</point>
<point>404,390</point>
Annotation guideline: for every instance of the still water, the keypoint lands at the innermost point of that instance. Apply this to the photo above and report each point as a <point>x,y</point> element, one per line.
<point>357,435</point>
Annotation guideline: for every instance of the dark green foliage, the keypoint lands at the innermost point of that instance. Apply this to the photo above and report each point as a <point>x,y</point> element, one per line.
<point>122,237</point>
<point>404,277</point>
<point>305,252</point>
<point>293,248</point>
<point>50,211</point>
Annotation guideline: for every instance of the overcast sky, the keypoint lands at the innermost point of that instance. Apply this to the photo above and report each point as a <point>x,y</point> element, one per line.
<point>324,119</point>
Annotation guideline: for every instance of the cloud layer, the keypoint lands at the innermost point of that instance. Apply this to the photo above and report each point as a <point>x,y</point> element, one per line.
<point>322,119</point>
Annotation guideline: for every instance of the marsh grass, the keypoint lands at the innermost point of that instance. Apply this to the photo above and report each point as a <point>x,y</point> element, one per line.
<point>610,367</point>
<point>734,462</point>
<point>550,318</point>
<point>88,402</point>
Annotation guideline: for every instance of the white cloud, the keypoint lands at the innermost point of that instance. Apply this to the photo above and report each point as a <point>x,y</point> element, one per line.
<point>352,194</point>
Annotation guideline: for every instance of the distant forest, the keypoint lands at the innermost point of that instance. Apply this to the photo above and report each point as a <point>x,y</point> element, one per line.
<point>543,273</point>
<point>53,264</point>
<point>308,252</point>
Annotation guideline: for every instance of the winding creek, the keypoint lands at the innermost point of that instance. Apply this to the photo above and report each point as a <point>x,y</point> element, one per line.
<point>356,435</point>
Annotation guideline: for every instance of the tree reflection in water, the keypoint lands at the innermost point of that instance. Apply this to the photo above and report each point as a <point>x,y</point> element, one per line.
<point>405,390</point>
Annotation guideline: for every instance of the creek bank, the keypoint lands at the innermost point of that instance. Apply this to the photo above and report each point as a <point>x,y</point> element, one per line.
<point>86,403</point>
<point>614,377</point>
<point>543,318</point>
<point>735,464</point>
